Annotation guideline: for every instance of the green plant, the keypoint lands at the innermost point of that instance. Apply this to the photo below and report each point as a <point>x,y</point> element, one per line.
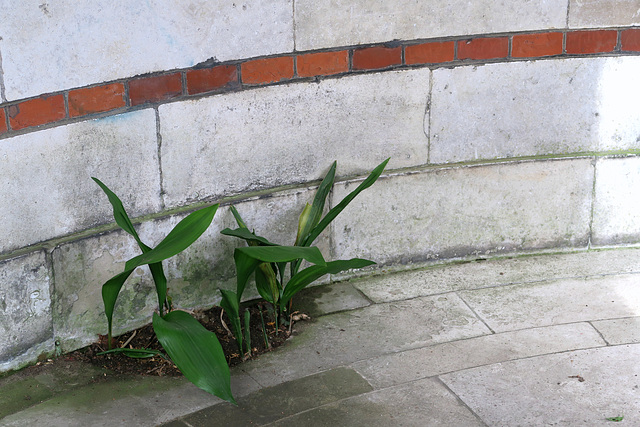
<point>195,350</point>
<point>268,261</point>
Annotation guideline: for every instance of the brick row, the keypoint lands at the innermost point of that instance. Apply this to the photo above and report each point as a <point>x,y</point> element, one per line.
<point>137,91</point>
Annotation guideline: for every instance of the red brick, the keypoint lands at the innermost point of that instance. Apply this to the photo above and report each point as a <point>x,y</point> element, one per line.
<point>630,40</point>
<point>591,41</point>
<point>3,121</point>
<point>96,99</point>
<point>483,48</point>
<point>210,79</point>
<point>373,58</point>
<point>35,112</point>
<point>536,45</point>
<point>267,70</point>
<point>429,53</point>
<point>154,89</point>
<point>323,63</point>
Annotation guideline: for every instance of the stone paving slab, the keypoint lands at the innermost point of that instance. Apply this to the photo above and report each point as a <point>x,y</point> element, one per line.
<point>379,329</point>
<point>406,366</point>
<point>508,308</point>
<point>420,403</point>
<point>580,388</point>
<point>479,274</point>
<point>619,331</point>
<point>331,298</point>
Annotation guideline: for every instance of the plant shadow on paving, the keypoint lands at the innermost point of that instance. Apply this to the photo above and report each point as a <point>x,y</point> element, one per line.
<point>158,366</point>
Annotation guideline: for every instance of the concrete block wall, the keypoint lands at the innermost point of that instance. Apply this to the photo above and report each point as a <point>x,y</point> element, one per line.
<point>512,127</point>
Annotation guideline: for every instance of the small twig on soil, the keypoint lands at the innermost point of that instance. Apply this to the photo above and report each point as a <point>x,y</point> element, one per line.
<point>129,340</point>
<point>224,325</point>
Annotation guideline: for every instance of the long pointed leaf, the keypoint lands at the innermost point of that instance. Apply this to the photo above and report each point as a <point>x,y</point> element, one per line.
<point>110,291</point>
<point>196,351</point>
<point>238,218</point>
<point>181,237</point>
<point>284,253</point>
<point>248,236</point>
<point>245,266</point>
<point>318,205</point>
<point>368,182</point>
<point>119,214</point>
<point>160,280</point>
<point>230,303</point>
<point>309,274</point>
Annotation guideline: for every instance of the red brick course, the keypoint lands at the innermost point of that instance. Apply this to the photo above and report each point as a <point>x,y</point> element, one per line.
<point>322,63</point>
<point>210,79</point>
<point>630,41</point>
<point>267,70</point>
<point>3,121</point>
<point>536,45</point>
<point>38,111</point>
<point>377,57</point>
<point>591,41</point>
<point>483,48</point>
<point>429,53</point>
<point>154,89</point>
<point>96,99</point>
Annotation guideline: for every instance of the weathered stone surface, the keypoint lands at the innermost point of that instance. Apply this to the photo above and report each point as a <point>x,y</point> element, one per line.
<point>326,23</point>
<point>616,212</point>
<point>346,337</point>
<point>410,404</point>
<point>619,331</point>
<point>461,211</point>
<point>106,41</point>
<point>406,366</point>
<point>330,298</point>
<point>603,13</point>
<point>57,196</point>
<point>579,388</point>
<point>482,273</point>
<point>522,109</point>
<point>273,136</point>
<point>508,308</point>
<point>26,329</point>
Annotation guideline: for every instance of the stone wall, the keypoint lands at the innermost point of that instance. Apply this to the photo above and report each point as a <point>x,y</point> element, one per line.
<point>512,127</point>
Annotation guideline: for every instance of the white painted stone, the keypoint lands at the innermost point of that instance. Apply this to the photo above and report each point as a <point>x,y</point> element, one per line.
<point>603,13</point>
<point>326,23</point>
<point>444,278</point>
<point>616,212</point>
<point>45,177</point>
<point>105,41</point>
<point>26,330</point>
<point>534,108</point>
<point>508,308</point>
<point>547,390</point>
<point>398,368</point>
<point>344,338</point>
<point>280,135</point>
<point>410,404</point>
<point>455,212</point>
<point>619,331</point>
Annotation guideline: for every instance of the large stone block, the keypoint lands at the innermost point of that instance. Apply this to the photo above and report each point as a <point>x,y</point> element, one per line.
<point>464,211</point>
<point>194,276</point>
<point>329,23</point>
<point>47,189</point>
<point>616,212</point>
<point>603,13</point>
<point>106,41</point>
<point>534,108</point>
<point>280,135</point>
<point>26,329</point>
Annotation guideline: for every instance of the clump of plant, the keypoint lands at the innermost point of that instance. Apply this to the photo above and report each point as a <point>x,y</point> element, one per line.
<point>195,350</point>
<point>268,261</point>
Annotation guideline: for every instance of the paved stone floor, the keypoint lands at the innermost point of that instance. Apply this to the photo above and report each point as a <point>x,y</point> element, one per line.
<point>527,341</point>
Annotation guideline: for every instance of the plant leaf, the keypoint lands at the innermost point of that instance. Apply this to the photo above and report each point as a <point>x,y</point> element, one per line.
<point>229,302</point>
<point>266,283</point>
<point>110,291</point>
<point>119,214</point>
<point>135,353</point>
<point>309,274</point>
<point>615,419</point>
<point>181,237</point>
<point>317,206</point>
<point>248,236</point>
<point>238,218</point>
<point>245,266</point>
<point>368,182</point>
<point>284,253</point>
<point>196,351</point>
